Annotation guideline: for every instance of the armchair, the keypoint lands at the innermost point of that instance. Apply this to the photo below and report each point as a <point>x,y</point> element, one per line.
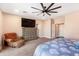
<point>13,40</point>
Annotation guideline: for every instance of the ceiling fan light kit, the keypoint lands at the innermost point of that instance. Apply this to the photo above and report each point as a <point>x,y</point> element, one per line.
<point>46,10</point>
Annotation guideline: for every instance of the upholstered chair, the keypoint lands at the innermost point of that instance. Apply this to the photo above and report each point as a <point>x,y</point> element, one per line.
<point>13,40</point>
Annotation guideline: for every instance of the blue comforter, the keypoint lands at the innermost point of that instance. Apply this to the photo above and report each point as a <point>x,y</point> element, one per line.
<point>57,47</point>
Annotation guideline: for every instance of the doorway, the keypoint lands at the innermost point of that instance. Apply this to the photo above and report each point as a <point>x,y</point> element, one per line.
<point>59,30</point>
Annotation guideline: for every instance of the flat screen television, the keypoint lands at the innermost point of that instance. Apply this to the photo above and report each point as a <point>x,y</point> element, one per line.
<point>28,22</point>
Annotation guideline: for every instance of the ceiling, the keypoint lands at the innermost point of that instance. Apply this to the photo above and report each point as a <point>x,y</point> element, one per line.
<point>25,10</point>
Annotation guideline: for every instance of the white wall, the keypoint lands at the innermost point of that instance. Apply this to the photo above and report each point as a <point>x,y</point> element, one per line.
<point>72,25</point>
<point>47,28</point>
<point>1,30</point>
<point>12,23</point>
<point>39,24</point>
<point>0,23</point>
<point>44,28</point>
<point>59,20</point>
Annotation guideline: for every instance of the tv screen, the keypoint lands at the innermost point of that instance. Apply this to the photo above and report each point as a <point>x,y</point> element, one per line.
<point>28,22</point>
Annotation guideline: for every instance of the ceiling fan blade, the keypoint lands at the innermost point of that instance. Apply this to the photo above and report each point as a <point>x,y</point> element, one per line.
<point>50,5</point>
<point>53,12</point>
<point>36,8</point>
<point>42,6</point>
<point>55,8</point>
<point>48,14</point>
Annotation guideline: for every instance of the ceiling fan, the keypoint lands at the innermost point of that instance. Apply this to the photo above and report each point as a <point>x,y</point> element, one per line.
<point>46,10</point>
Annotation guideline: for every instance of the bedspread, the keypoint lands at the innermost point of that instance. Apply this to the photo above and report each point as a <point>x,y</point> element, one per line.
<point>57,47</point>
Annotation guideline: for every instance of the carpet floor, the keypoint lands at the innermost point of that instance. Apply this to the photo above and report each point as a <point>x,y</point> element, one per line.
<point>26,50</point>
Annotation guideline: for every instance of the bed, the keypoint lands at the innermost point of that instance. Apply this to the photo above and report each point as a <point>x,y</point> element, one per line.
<point>58,47</point>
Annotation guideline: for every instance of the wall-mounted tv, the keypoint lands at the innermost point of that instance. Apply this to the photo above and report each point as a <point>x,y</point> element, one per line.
<point>27,22</point>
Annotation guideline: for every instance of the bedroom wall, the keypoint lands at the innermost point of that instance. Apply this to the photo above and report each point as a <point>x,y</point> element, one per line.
<point>47,28</point>
<point>71,22</point>
<point>44,28</point>
<point>72,26</point>
<point>57,20</point>
<point>12,23</point>
<point>0,24</point>
<point>39,24</point>
<point>0,28</point>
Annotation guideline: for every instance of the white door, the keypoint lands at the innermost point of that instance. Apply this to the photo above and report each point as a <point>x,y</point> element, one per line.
<point>61,30</point>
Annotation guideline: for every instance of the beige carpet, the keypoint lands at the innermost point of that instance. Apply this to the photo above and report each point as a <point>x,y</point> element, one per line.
<point>26,50</point>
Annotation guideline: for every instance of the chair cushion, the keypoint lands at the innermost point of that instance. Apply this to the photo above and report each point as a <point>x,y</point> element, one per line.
<point>9,40</point>
<point>12,40</point>
<point>16,44</point>
<point>12,36</point>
